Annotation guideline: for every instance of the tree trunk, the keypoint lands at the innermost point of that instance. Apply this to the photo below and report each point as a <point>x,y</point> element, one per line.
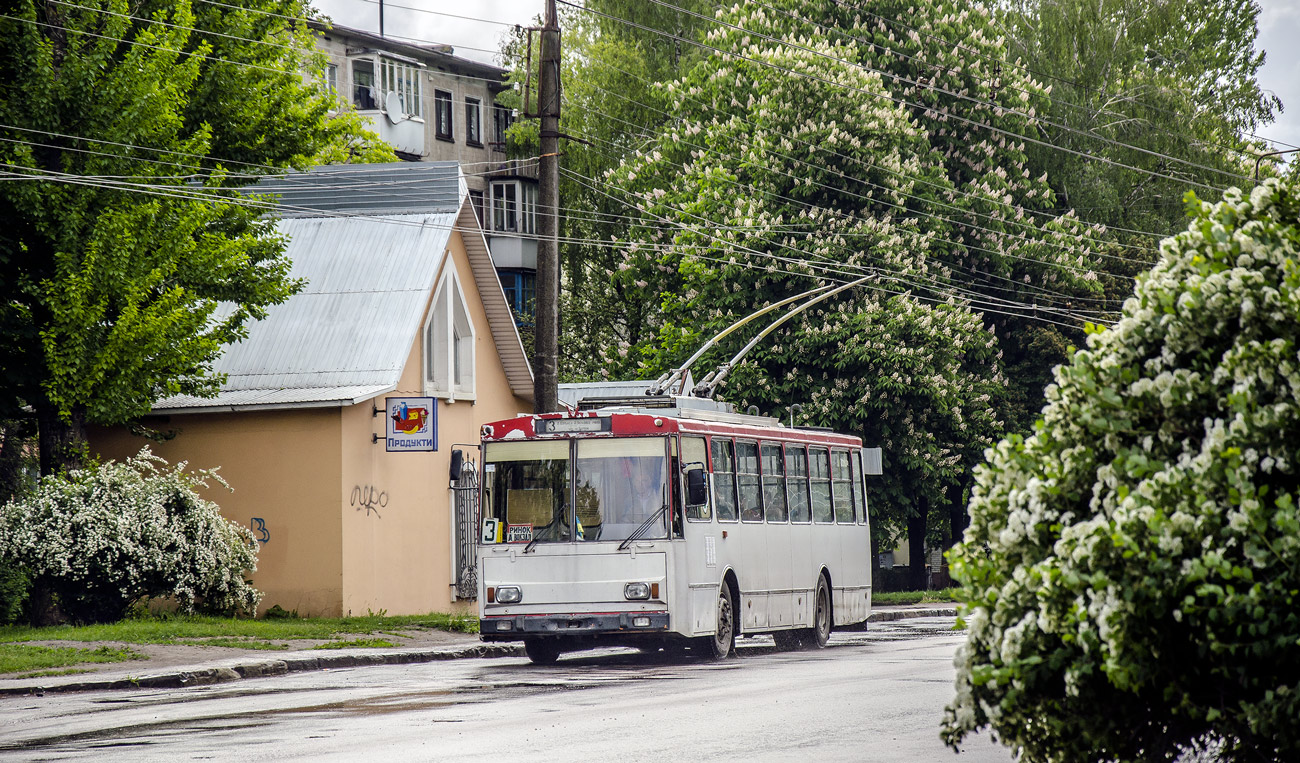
<point>62,441</point>
<point>958,519</point>
<point>13,450</point>
<point>916,546</point>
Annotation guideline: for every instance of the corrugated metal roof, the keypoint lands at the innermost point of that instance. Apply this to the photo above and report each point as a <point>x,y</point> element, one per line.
<point>368,189</point>
<point>510,347</point>
<point>297,397</point>
<point>347,335</point>
<point>351,328</point>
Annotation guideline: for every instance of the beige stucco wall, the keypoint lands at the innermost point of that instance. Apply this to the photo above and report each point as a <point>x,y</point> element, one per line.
<point>398,557</point>
<point>310,473</point>
<point>282,467</point>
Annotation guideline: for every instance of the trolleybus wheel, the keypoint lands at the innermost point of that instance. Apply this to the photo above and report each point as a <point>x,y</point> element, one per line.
<point>542,651</point>
<point>821,630</point>
<point>723,641</point>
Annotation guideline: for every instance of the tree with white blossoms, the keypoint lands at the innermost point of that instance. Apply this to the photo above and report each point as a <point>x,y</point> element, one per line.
<point>104,537</point>
<point>1132,570</point>
<point>739,206</point>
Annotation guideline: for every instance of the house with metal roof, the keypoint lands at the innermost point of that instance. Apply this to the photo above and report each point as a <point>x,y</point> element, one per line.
<point>340,410</point>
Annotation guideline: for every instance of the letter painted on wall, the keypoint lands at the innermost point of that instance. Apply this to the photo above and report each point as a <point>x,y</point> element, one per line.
<point>412,424</point>
<point>369,499</point>
<point>259,529</point>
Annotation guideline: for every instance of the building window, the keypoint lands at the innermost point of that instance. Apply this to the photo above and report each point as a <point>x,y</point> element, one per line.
<point>331,78</point>
<point>449,342</point>
<point>442,126</point>
<point>473,122</point>
<point>403,79</point>
<point>520,287</point>
<point>514,206</point>
<point>476,201</point>
<point>502,118</point>
<point>364,95</point>
<point>505,207</point>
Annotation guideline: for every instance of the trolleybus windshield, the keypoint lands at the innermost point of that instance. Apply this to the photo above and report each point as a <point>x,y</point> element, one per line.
<point>545,492</point>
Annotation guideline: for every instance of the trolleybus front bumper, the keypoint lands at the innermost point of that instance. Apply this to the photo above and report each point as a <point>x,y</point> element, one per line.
<point>515,627</point>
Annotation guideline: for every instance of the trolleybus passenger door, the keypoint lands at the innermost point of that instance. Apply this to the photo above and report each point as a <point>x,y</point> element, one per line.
<point>701,570</point>
<point>751,537</point>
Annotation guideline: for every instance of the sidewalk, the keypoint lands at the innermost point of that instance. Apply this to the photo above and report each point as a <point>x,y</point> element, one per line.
<point>174,666</point>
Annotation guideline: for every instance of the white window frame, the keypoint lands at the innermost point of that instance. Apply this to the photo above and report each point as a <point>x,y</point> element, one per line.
<point>403,79</point>
<point>449,341</point>
<point>473,122</point>
<point>518,215</point>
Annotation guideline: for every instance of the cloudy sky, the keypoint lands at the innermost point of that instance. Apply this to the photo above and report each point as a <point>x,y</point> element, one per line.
<point>474,36</point>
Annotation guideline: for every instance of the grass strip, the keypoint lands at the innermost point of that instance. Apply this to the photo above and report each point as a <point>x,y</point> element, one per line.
<point>941,596</point>
<point>27,658</point>
<point>188,629</point>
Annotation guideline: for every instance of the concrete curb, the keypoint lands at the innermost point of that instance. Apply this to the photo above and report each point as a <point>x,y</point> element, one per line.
<point>264,668</point>
<point>299,663</point>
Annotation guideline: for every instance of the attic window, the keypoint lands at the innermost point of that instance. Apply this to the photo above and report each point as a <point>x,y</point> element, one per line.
<point>449,343</point>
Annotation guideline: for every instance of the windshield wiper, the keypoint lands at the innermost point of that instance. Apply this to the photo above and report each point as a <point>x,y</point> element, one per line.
<point>638,532</point>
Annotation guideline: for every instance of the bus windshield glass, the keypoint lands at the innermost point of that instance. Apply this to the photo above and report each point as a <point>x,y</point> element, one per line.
<point>537,494</point>
<point>620,485</point>
<point>526,488</point>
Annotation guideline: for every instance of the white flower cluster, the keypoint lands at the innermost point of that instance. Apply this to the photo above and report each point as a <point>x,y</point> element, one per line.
<point>106,536</point>
<point>1138,556</point>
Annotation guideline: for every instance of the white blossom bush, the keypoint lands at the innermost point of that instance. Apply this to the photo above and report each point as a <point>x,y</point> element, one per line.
<point>1132,569</point>
<point>104,537</point>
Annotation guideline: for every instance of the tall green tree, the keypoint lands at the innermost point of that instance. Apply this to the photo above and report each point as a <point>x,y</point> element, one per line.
<point>1168,88</point>
<point>127,129</point>
<point>738,204</point>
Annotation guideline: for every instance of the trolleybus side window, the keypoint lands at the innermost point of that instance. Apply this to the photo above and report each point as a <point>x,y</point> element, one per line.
<point>841,482</point>
<point>774,484</point>
<point>796,467</point>
<point>527,489</point>
<point>695,456</point>
<point>859,487</point>
<point>724,478</point>
<point>819,470</point>
<point>751,507</point>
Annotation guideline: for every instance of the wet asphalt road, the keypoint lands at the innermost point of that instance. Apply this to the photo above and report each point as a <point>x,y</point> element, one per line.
<point>866,697</point>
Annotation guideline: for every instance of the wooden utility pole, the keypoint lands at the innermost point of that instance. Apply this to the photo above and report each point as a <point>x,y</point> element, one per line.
<point>546,346</point>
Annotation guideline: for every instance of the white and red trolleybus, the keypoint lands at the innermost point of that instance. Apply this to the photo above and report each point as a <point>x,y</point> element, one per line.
<point>669,522</point>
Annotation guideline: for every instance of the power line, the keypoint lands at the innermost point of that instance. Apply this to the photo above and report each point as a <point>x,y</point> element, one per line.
<point>949,93</point>
<point>1014,65</point>
<point>899,101</point>
<point>824,264</point>
<point>862,181</point>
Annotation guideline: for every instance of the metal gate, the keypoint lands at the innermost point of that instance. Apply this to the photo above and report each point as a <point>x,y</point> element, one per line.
<point>465,501</point>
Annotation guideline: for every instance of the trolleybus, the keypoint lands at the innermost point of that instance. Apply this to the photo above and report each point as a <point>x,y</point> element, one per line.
<point>670,522</point>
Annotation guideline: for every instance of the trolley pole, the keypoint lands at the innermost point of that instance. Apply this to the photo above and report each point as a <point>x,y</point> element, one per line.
<point>546,344</point>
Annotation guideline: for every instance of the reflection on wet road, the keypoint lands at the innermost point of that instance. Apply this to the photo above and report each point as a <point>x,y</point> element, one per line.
<point>868,696</point>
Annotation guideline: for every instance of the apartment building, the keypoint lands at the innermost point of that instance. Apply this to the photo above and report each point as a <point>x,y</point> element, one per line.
<point>432,105</point>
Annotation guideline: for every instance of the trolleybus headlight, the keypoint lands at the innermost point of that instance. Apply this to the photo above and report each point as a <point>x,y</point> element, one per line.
<point>509,594</point>
<point>636,591</point>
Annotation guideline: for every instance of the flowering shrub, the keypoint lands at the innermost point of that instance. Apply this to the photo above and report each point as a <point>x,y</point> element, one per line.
<point>1132,570</point>
<point>104,537</point>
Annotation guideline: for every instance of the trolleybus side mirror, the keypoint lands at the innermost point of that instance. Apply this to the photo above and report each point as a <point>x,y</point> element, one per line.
<point>457,460</point>
<point>697,490</point>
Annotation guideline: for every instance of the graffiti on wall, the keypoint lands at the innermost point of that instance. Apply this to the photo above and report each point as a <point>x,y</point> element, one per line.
<point>369,499</point>
<point>262,534</point>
